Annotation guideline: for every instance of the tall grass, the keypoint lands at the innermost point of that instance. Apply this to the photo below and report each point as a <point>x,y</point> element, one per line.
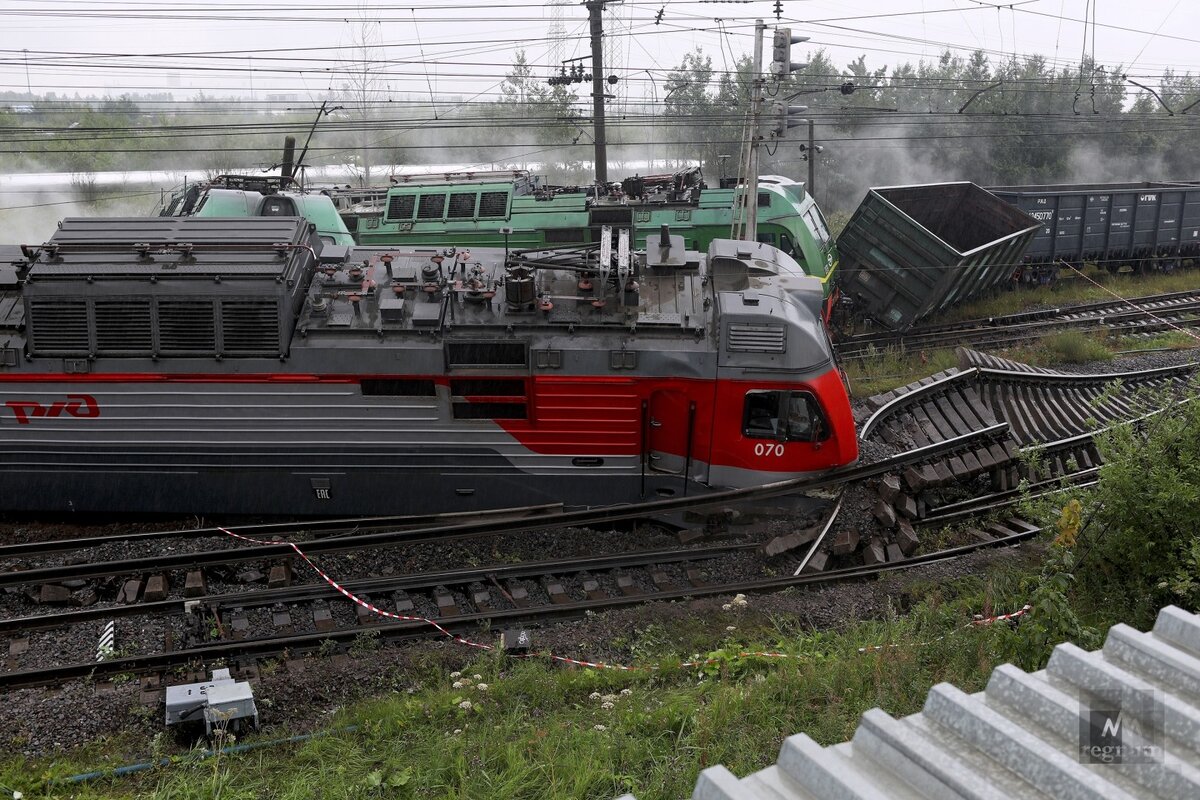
<point>1070,289</point>
<point>1070,347</point>
<point>890,367</point>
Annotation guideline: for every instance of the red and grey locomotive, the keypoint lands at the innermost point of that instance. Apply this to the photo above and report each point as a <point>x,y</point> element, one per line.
<point>243,366</point>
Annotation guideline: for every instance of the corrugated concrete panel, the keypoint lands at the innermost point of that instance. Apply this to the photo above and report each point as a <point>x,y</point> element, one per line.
<point>1120,722</point>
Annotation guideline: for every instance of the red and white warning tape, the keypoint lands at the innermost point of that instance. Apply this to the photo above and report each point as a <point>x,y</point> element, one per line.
<point>1147,312</point>
<point>1022,611</point>
<point>978,620</point>
<point>564,659</point>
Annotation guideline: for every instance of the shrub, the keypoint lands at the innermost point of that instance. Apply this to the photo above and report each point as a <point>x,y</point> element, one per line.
<point>1146,534</point>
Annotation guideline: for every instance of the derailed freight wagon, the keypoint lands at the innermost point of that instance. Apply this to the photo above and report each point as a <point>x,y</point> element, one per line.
<point>909,251</point>
<point>1143,225</point>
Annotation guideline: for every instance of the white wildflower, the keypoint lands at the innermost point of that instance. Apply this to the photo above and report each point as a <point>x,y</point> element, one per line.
<point>594,696</point>
<point>455,674</point>
<point>465,705</point>
<point>458,684</point>
<point>727,607</point>
<point>457,731</point>
<point>627,691</point>
<point>483,687</point>
<point>477,677</point>
<point>606,706</point>
<point>609,698</point>
<point>599,728</point>
<point>731,627</point>
<point>740,601</point>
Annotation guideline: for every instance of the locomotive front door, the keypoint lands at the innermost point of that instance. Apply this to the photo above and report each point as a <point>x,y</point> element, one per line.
<point>670,421</point>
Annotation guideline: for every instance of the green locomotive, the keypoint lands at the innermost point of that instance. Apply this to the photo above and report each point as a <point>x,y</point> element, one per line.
<point>514,209</point>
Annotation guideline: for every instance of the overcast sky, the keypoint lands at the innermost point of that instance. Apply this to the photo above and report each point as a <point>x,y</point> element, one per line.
<point>464,47</point>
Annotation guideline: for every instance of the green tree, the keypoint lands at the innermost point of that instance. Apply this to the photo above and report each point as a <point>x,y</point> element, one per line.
<point>545,115</point>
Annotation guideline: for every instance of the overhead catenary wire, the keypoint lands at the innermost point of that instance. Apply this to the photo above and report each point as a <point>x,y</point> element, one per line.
<point>231,62</point>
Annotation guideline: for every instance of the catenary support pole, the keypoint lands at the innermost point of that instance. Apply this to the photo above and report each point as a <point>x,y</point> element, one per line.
<point>595,17</point>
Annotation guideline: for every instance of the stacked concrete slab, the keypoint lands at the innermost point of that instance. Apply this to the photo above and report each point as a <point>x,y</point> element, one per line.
<point>1120,722</point>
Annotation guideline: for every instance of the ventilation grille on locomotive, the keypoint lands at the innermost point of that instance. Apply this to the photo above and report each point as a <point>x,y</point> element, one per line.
<point>493,204</point>
<point>619,215</point>
<point>747,338</point>
<point>250,326</point>
<point>142,327</point>
<point>60,326</point>
<point>186,326</point>
<point>123,326</point>
<point>401,206</point>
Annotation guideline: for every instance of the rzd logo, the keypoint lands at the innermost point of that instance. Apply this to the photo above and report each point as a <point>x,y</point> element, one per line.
<point>76,405</point>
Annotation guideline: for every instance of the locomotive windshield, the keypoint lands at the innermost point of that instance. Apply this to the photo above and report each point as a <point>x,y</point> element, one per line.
<point>816,224</point>
<point>782,415</point>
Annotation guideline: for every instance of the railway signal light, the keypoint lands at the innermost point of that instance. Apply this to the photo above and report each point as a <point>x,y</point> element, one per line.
<point>784,119</point>
<point>781,53</point>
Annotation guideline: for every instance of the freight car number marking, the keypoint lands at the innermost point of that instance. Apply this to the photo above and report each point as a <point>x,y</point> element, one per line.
<point>764,449</point>
<point>83,406</point>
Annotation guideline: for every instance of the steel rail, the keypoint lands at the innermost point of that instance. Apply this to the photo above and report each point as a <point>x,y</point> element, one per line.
<point>582,518</point>
<point>330,526</point>
<point>1112,313</point>
<point>318,590</point>
<point>402,631</point>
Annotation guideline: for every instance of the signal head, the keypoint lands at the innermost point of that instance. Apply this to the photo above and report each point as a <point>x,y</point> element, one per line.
<point>784,118</point>
<point>781,52</point>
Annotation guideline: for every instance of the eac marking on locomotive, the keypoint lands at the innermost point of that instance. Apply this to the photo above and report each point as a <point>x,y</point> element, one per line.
<point>83,406</point>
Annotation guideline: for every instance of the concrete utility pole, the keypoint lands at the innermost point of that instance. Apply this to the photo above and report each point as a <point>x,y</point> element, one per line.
<point>750,195</point>
<point>781,67</point>
<point>595,11</point>
<point>746,223</point>
<point>812,162</point>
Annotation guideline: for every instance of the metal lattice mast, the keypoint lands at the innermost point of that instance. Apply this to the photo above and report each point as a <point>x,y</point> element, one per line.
<point>616,28</point>
<point>557,35</point>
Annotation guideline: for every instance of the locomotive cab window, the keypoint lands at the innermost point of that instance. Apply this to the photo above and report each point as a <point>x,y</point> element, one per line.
<point>783,416</point>
<point>785,244</point>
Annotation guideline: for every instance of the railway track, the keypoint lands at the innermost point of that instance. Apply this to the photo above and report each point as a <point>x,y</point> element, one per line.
<point>1050,419</point>
<point>178,631</point>
<point>302,529</point>
<point>1148,315</point>
<point>307,623</point>
<point>969,427</point>
<point>707,510</point>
